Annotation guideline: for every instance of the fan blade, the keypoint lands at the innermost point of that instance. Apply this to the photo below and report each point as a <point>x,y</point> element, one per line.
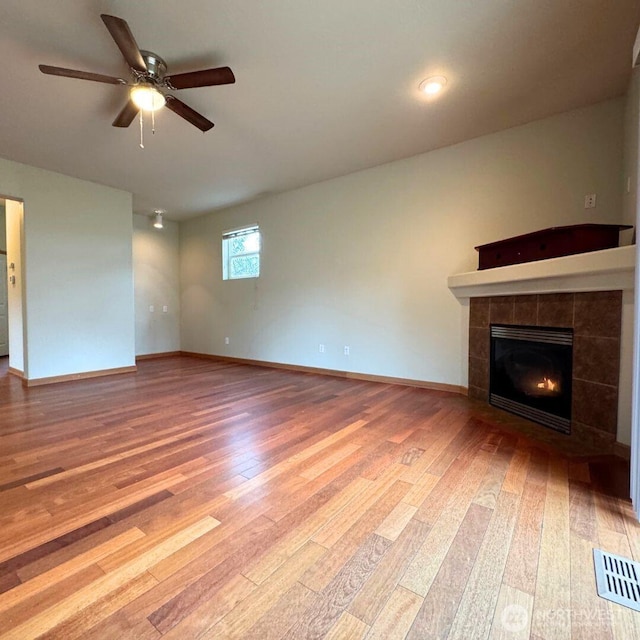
<point>186,112</point>
<point>126,116</point>
<point>123,37</point>
<point>204,78</point>
<point>81,75</point>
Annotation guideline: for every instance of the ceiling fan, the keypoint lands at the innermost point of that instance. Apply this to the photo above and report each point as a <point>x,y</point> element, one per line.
<point>149,83</point>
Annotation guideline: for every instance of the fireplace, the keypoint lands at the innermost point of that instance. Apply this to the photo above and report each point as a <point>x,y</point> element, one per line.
<point>530,373</point>
<point>595,319</point>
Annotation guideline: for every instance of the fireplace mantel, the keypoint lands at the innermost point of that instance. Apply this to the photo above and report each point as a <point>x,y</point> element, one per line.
<point>608,270</point>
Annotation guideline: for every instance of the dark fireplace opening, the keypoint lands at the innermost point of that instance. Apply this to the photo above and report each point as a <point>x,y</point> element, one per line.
<point>530,373</point>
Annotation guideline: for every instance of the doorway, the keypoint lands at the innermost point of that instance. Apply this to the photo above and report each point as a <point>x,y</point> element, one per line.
<point>4,307</point>
<point>4,301</point>
<point>12,286</point>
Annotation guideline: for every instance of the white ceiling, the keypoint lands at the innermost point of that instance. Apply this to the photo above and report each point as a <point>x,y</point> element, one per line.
<point>324,87</point>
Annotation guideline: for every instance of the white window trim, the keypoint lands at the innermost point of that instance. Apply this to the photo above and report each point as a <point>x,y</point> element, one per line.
<point>233,233</point>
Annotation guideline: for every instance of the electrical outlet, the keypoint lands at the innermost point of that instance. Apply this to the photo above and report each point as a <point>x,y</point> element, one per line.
<point>151,308</point>
<point>226,340</point>
<point>165,308</point>
<point>590,201</point>
<point>346,350</point>
<point>321,348</point>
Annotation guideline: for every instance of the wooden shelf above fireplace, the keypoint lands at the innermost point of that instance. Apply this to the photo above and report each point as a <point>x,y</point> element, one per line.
<point>549,243</point>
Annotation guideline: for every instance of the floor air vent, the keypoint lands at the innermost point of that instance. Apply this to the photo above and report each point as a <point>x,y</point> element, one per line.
<point>617,579</point>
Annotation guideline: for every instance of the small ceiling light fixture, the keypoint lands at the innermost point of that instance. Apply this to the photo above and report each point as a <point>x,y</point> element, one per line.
<point>432,86</point>
<point>146,97</point>
<point>157,223</point>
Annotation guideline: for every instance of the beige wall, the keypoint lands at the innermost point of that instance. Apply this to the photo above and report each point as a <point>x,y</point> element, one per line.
<point>78,282</point>
<point>629,185</point>
<point>362,260</point>
<point>156,273</point>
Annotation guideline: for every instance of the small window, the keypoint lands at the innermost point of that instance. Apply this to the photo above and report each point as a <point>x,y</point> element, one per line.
<point>241,253</point>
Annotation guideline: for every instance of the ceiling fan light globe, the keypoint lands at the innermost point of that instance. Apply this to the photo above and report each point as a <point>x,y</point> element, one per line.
<point>147,97</point>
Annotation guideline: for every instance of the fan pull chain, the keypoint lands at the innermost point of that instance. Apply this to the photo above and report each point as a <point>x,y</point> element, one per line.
<point>153,120</point>
<point>141,131</point>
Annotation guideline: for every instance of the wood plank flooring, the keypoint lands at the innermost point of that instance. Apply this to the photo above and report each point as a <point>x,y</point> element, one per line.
<point>201,499</point>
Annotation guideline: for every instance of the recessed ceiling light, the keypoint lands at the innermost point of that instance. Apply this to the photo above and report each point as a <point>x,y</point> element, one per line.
<point>433,85</point>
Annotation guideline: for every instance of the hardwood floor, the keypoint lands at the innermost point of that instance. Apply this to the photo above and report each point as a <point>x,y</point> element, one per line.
<point>199,499</point>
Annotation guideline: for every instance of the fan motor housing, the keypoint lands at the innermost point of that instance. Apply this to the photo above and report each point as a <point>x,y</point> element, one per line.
<point>156,66</point>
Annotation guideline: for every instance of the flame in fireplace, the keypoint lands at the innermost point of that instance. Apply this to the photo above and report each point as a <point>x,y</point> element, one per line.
<point>547,384</point>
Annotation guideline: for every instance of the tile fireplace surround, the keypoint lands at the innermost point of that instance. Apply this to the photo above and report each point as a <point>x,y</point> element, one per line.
<point>591,293</point>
